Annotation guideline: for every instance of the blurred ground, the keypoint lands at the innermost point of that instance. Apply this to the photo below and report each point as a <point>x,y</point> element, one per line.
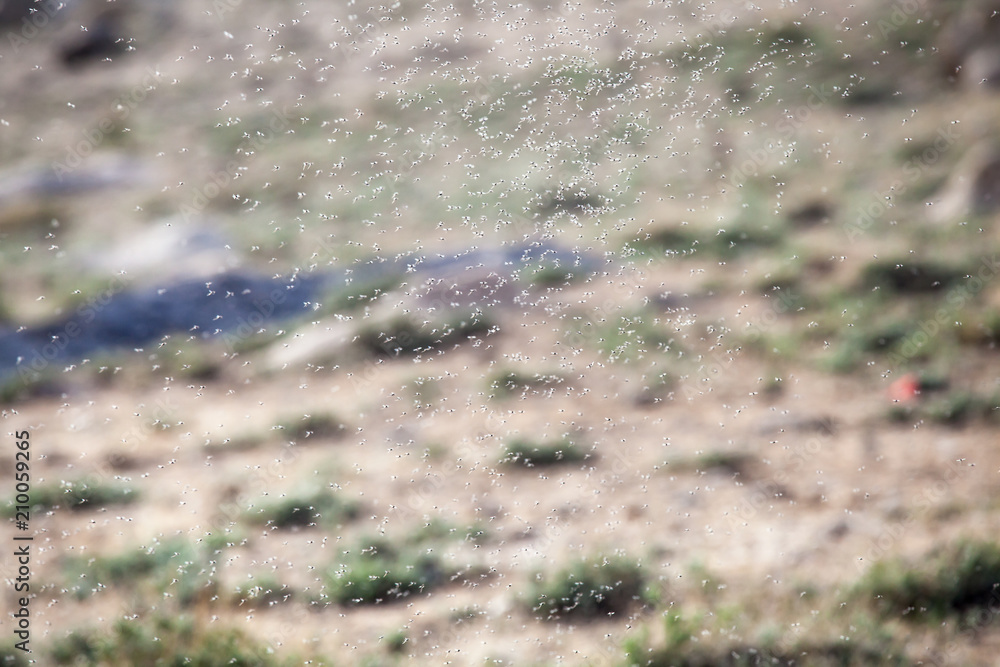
<point>794,207</point>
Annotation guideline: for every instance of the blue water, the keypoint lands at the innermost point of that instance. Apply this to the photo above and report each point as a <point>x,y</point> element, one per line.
<point>206,308</point>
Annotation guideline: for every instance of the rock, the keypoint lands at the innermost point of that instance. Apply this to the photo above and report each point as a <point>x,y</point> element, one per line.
<point>315,343</point>
<point>169,250</point>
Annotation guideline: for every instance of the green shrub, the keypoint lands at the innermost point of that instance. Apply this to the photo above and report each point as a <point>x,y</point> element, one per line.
<point>910,276</point>
<point>507,383</point>
<point>313,426</point>
<point>732,463</point>
<point>571,199</point>
<point>725,242</point>
<point>321,507</point>
<point>528,454</point>
<point>263,590</point>
<point>587,589</point>
<point>77,496</point>
<point>960,407</point>
<point>680,649</point>
<point>376,572</point>
<point>177,568</point>
<point>382,569</point>
<point>12,657</point>
<point>405,336</point>
<point>954,580</point>
<point>163,640</point>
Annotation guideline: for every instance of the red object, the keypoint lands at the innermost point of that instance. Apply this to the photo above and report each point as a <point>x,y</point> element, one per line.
<point>906,388</point>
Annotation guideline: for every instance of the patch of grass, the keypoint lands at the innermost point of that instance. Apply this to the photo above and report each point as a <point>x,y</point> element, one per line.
<point>354,295</point>
<point>684,647</point>
<point>530,454</point>
<point>10,656</point>
<point>376,571</point>
<point>955,409</point>
<point>319,426</point>
<point>910,276</point>
<point>406,336</point>
<point>587,589</point>
<point>381,569</point>
<point>900,342</point>
<point>395,642</point>
<point>550,275</point>
<point>438,530</point>
<point>725,242</point>
<point>76,496</point>
<point>960,407</point>
<point>176,568</point>
<point>17,389</point>
<point>321,507</point>
<point>163,640</point>
<point>507,383</point>
<point>263,591</point>
<point>186,359</point>
<point>631,337</point>
<point>731,463</point>
<point>239,443</point>
<point>959,579</point>
<point>978,327</point>
<point>570,199</point>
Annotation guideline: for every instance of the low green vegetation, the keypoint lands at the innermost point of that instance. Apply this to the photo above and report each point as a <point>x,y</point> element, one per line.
<point>395,642</point>
<point>378,571</point>
<point>631,337</point>
<point>79,495</point>
<point>686,645</point>
<point>178,569</point>
<point>406,336</point>
<point>724,242</point>
<point>263,590</point>
<point>731,463</point>
<point>381,569</point>
<point>164,640</point>
<point>508,383</point>
<point>322,507</point>
<point>957,580</point>
<point>911,276</point>
<point>10,656</point>
<point>956,408</point>
<point>529,454</point>
<point>318,426</point>
<point>572,200</point>
<point>587,589</point>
